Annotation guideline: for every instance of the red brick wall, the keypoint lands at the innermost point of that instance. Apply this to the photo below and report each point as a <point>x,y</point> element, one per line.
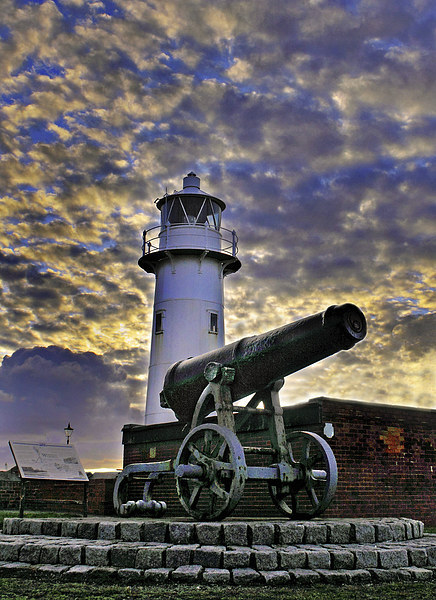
<point>386,458</point>
<point>57,495</point>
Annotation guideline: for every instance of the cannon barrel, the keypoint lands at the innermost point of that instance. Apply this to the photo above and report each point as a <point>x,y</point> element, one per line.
<point>260,360</point>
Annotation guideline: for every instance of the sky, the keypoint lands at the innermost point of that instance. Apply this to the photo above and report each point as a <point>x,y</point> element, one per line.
<point>313,120</point>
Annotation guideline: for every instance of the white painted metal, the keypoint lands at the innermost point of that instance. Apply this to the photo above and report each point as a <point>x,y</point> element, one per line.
<point>189,260</point>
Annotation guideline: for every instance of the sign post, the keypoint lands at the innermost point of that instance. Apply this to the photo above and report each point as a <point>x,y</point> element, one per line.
<point>48,461</point>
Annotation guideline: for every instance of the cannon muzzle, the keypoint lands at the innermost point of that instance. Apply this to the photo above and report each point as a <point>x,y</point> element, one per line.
<point>262,359</point>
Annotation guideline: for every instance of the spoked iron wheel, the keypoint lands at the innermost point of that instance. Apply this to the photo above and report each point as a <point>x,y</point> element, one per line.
<point>210,472</point>
<point>311,493</point>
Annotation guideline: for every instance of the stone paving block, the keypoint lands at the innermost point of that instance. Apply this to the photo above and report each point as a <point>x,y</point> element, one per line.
<point>69,529</point>
<point>318,559</point>
<point>236,559</point>
<point>219,576</point>
<point>87,530</point>
<point>338,533</point>
<point>157,575</point>
<point>7,525</point>
<point>123,556</point>
<point>366,558</point>
<point>51,527</point>
<point>150,558</point>
<point>49,554</point>
<point>104,575</point>
<point>187,573</point>
<point>292,558</point>
<point>419,573</point>
<point>417,557</point>
<point>17,568</point>
<point>70,555</point>
<point>98,556</point>
<point>235,534</point>
<point>315,533</point>
<point>398,531</point>
<point>304,576</point>
<point>130,575</point>
<point>108,530</point>
<point>209,556</point>
<point>55,570</point>
<point>181,533</point>
<point>265,560</point>
<point>131,531</point>
<point>24,526</point>
<point>409,529</point>
<point>30,553</point>
<point>359,576</point>
<point>383,532</point>
<point>385,575</point>
<point>9,551</point>
<point>208,533</point>
<point>35,527</point>
<point>262,533</point>
<point>155,531</point>
<point>275,577</point>
<point>393,558</point>
<point>364,533</point>
<point>291,533</point>
<point>245,576</point>
<point>332,576</point>
<point>78,573</point>
<point>431,555</point>
<point>342,559</point>
<point>177,556</point>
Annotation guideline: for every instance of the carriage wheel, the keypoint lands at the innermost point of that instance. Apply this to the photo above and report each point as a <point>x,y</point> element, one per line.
<point>210,472</point>
<point>313,490</point>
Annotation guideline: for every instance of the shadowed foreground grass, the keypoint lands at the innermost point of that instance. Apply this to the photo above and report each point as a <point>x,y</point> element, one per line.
<point>25,589</point>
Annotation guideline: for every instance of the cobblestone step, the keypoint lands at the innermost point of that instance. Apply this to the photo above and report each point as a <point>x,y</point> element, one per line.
<point>238,533</point>
<point>115,560</point>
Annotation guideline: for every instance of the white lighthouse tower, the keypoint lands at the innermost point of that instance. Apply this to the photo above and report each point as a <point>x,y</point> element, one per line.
<point>189,254</point>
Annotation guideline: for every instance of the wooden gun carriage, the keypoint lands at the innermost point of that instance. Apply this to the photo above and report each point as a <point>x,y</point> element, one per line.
<point>211,467</point>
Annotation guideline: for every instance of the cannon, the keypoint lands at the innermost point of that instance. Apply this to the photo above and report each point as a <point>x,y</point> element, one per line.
<point>210,468</point>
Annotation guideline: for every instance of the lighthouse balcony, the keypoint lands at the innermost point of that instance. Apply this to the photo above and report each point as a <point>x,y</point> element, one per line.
<point>182,235</point>
<point>182,238</point>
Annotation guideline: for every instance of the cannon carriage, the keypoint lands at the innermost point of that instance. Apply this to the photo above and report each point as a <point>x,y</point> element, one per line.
<point>212,467</point>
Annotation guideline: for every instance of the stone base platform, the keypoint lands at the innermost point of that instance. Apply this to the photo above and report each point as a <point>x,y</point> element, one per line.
<point>273,552</point>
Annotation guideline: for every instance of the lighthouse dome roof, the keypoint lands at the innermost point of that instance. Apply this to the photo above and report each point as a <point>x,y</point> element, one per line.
<point>191,187</point>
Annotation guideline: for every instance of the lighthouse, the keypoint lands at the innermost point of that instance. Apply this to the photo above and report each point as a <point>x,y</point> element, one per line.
<point>189,254</point>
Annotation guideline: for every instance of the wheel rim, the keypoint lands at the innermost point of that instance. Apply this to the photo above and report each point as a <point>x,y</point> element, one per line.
<point>315,486</point>
<point>215,493</point>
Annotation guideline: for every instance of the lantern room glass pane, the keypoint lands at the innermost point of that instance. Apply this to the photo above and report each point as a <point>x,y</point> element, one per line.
<point>195,210</point>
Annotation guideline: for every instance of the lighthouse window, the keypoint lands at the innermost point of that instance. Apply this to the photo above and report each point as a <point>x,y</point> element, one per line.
<point>158,325</point>
<point>213,326</point>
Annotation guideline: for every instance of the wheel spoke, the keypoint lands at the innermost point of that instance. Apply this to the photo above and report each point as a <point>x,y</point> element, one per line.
<point>195,495</point>
<point>207,441</point>
<point>312,496</point>
<point>218,491</point>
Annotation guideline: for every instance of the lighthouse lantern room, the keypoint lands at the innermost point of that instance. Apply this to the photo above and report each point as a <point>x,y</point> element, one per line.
<point>189,254</point>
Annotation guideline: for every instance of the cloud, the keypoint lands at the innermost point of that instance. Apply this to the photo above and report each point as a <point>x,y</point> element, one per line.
<point>44,388</point>
<point>314,122</point>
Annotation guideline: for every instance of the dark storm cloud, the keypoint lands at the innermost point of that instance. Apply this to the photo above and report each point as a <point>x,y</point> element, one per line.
<point>47,387</point>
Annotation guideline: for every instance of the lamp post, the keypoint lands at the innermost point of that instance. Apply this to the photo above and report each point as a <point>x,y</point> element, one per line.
<point>68,431</point>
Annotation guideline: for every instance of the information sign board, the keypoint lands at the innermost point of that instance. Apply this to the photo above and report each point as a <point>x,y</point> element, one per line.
<point>47,461</point>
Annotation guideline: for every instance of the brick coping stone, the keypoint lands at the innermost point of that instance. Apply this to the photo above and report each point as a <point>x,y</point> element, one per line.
<point>204,554</point>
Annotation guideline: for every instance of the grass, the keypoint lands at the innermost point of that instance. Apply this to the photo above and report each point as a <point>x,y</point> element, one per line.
<point>23,589</point>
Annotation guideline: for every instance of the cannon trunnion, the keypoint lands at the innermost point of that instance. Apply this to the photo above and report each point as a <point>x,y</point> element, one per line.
<point>211,466</point>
